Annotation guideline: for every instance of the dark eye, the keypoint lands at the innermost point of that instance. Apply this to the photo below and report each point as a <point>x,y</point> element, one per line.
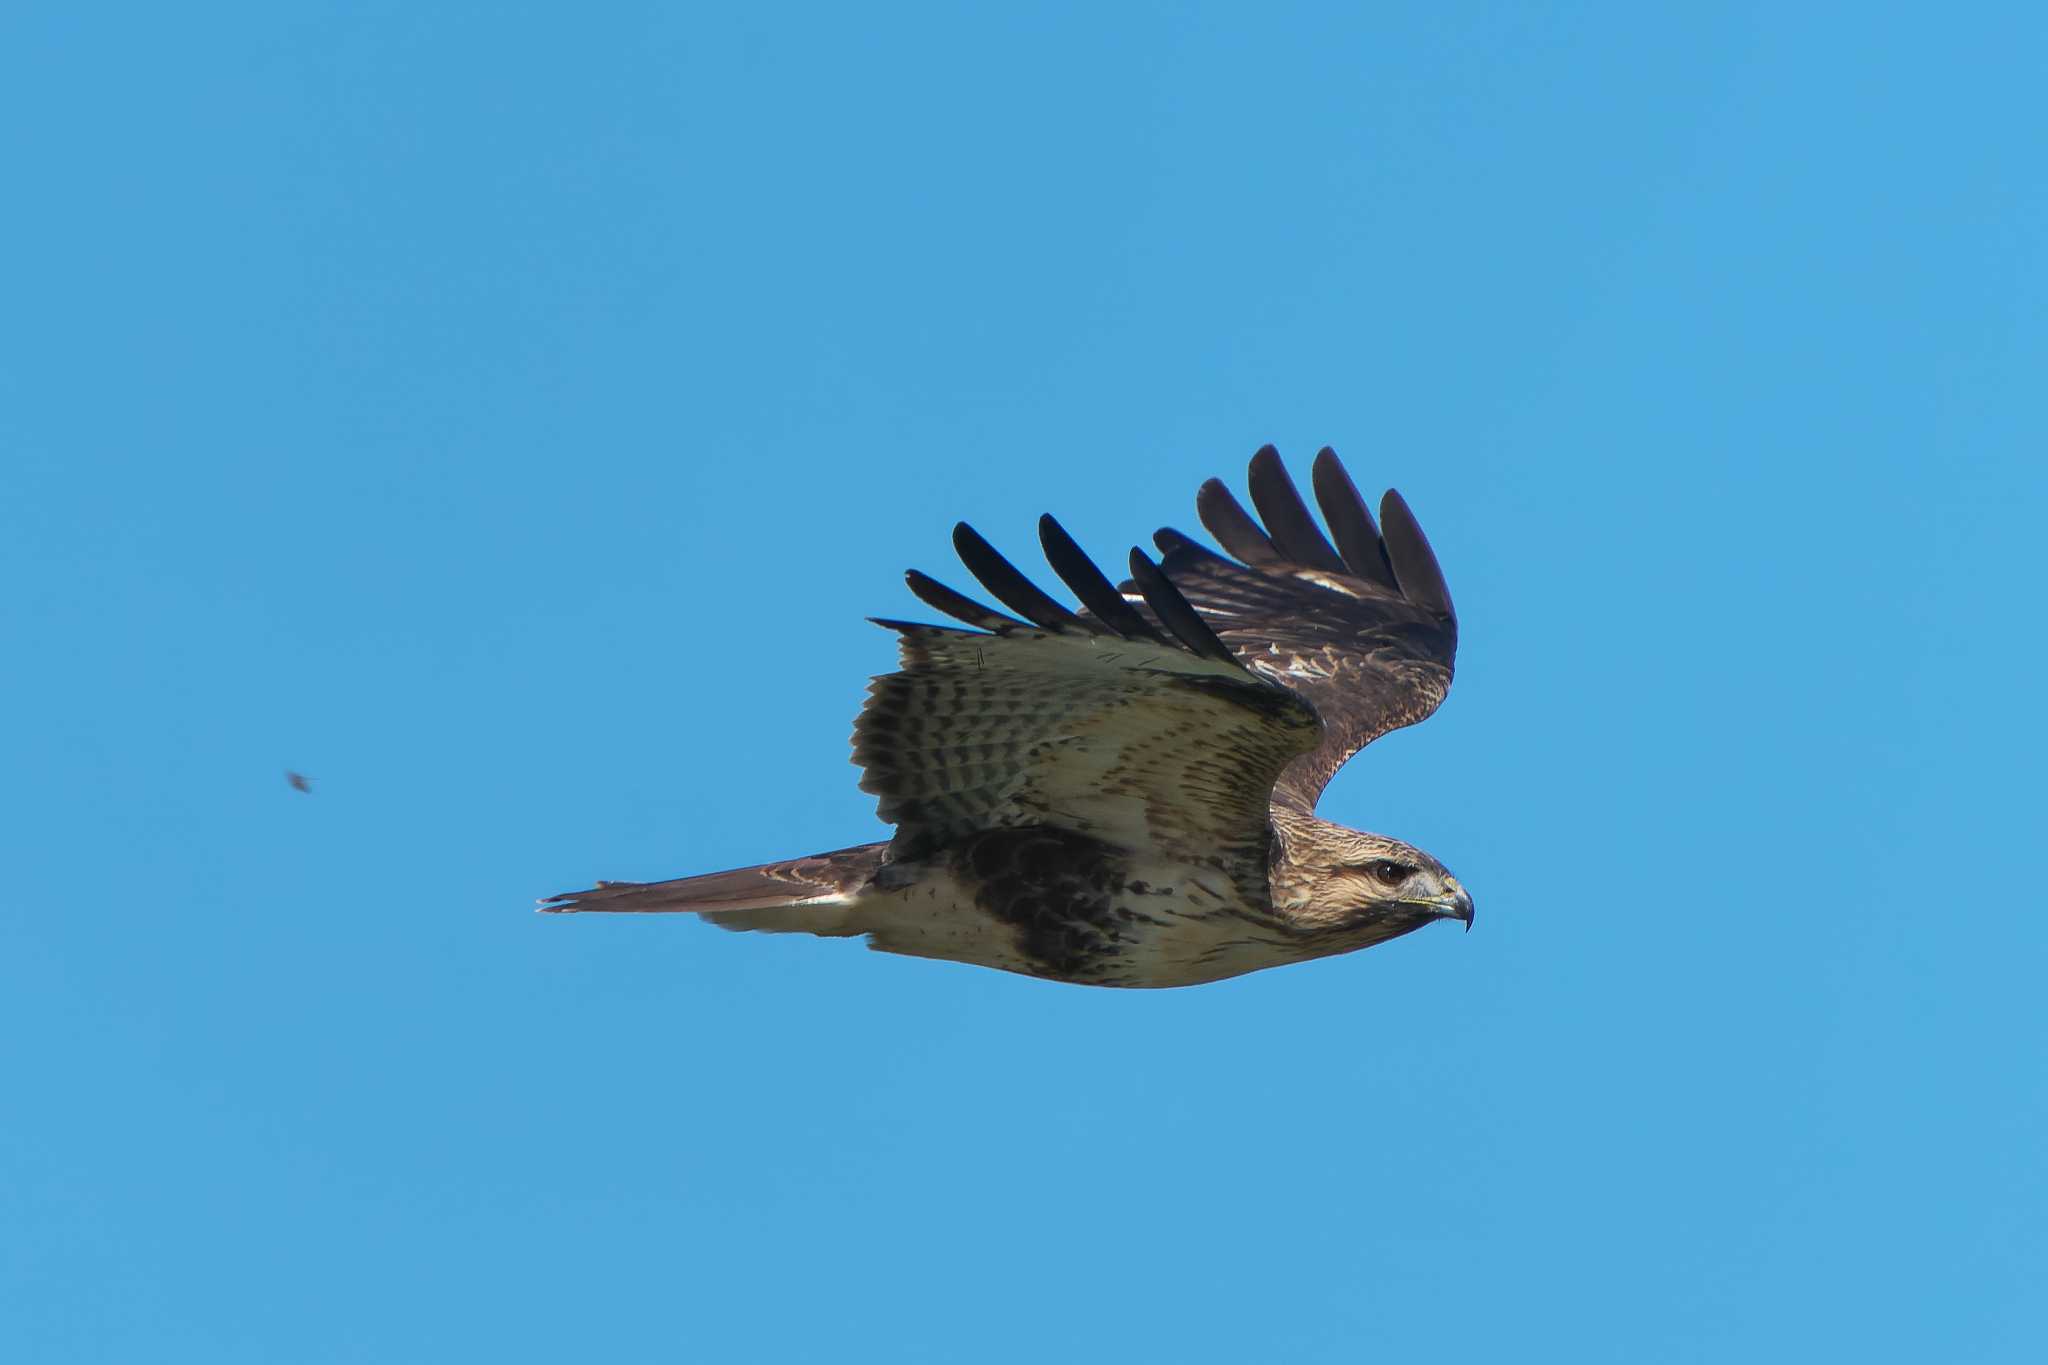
<point>1387,872</point>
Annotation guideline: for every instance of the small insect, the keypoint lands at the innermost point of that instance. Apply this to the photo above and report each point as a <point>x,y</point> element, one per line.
<point>299,782</point>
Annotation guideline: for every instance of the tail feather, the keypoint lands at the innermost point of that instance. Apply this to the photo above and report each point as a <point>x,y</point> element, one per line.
<point>810,894</point>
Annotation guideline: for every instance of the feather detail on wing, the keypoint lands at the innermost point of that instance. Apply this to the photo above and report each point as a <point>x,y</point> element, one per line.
<point>1136,727</point>
<point>1363,630</point>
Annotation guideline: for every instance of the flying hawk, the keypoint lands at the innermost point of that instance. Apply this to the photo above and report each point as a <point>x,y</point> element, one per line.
<point>1124,795</point>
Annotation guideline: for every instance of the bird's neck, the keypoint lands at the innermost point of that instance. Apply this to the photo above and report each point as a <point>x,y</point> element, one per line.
<point>1301,845</point>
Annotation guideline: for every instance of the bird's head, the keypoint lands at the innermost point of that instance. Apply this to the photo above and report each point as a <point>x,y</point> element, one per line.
<point>1331,879</point>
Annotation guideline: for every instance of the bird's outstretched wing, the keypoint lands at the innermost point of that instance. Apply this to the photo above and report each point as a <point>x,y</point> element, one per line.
<point>1138,728</point>
<point>1363,630</point>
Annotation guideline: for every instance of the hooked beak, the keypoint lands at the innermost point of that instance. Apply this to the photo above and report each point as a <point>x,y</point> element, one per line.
<point>1457,905</point>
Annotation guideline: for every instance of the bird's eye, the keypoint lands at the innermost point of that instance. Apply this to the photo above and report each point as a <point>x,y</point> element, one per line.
<point>1387,872</point>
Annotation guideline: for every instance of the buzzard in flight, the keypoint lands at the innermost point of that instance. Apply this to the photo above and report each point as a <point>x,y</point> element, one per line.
<point>1124,795</point>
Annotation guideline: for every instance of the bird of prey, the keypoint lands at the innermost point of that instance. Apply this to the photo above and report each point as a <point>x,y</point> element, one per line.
<point>1124,795</point>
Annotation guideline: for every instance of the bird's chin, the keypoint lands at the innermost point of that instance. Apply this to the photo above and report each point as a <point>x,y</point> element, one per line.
<point>1389,919</point>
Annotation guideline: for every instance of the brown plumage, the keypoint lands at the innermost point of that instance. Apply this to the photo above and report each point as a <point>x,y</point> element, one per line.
<point>1124,794</point>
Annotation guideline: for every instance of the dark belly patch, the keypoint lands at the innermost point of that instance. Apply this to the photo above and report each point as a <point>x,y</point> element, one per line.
<point>1066,895</point>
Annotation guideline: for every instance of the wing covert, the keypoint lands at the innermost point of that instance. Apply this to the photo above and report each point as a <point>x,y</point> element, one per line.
<point>1134,725</point>
<point>1364,631</point>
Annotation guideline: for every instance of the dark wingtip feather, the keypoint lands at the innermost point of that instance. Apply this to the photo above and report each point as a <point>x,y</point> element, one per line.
<point>902,627</point>
<point>1288,523</point>
<point>1009,586</point>
<point>1172,542</point>
<point>1358,538</point>
<point>959,606</point>
<point>1173,609</point>
<point>1096,592</point>
<point>1232,526</point>
<point>1415,566</point>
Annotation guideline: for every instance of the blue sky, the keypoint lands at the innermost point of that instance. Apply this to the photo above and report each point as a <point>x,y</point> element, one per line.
<point>506,415</point>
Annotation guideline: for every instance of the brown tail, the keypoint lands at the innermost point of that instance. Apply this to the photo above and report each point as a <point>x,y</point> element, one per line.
<point>809,894</point>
